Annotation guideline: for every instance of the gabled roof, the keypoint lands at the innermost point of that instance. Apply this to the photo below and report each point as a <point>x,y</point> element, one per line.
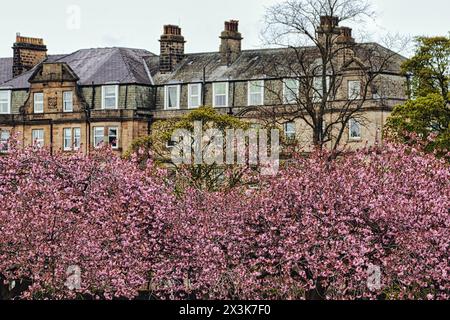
<point>98,66</point>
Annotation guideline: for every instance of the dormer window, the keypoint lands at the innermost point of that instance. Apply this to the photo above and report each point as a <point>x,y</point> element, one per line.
<point>172,97</point>
<point>195,95</point>
<point>68,101</point>
<point>220,94</point>
<point>110,97</point>
<point>256,93</point>
<point>291,88</point>
<point>5,101</point>
<point>38,102</point>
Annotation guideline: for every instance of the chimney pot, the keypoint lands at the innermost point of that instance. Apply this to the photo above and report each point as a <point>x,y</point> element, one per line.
<point>172,48</point>
<point>329,21</point>
<point>28,52</point>
<point>230,47</point>
<point>345,35</point>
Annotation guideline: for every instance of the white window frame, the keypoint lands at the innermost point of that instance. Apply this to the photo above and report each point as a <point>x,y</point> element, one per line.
<point>94,135</point>
<point>318,89</point>
<point>166,97</point>
<point>41,103</point>
<point>117,137</point>
<point>285,91</point>
<point>351,94</point>
<point>350,124</point>
<point>116,96</point>
<point>36,141</point>
<point>227,92</point>
<point>76,146</point>
<point>8,101</point>
<point>67,138</point>
<point>261,87</point>
<point>5,135</point>
<point>288,133</point>
<point>190,95</point>
<point>65,102</point>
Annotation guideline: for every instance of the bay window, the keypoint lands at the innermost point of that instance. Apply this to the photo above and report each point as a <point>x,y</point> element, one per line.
<point>106,134</point>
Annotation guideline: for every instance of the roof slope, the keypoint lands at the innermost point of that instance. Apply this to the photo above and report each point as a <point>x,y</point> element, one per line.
<point>137,66</point>
<point>99,66</point>
<point>6,65</point>
<point>259,64</point>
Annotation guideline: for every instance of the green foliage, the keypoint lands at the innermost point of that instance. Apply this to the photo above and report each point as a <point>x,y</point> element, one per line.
<point>430,67</point>
<point>427,119</point>
<point>210,118</point>
<point>202,176</point>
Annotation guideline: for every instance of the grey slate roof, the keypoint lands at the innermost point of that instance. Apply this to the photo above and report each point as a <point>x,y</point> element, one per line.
<point>138,66</point>
<point>254,64</point>
<point>99,66</point>
<point>251,64</point>
<point>5,69</point>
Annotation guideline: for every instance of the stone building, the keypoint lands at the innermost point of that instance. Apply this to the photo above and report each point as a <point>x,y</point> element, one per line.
<point>113,95</point>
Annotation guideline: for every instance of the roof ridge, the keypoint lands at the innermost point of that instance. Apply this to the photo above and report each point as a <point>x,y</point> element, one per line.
<point>127,65</point>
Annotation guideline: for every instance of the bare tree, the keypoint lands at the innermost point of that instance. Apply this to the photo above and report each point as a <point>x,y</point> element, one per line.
<point>320,61</point>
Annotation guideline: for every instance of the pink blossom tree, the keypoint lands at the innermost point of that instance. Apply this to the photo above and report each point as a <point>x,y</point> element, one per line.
<point>98,214</point>
<point>314,231</point>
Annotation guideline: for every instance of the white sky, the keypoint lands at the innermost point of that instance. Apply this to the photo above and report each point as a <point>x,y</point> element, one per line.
<point>138,23</point>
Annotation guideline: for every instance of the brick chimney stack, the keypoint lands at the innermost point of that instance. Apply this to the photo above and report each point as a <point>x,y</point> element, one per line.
<point>328,22</point>
<point>172,48</point>
<point>329,26</point>
<point>345,36</point>
<point>28,52</point>
<point>230,47</point>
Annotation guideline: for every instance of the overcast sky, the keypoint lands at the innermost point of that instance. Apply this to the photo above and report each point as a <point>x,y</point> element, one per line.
<point>138,23</point>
